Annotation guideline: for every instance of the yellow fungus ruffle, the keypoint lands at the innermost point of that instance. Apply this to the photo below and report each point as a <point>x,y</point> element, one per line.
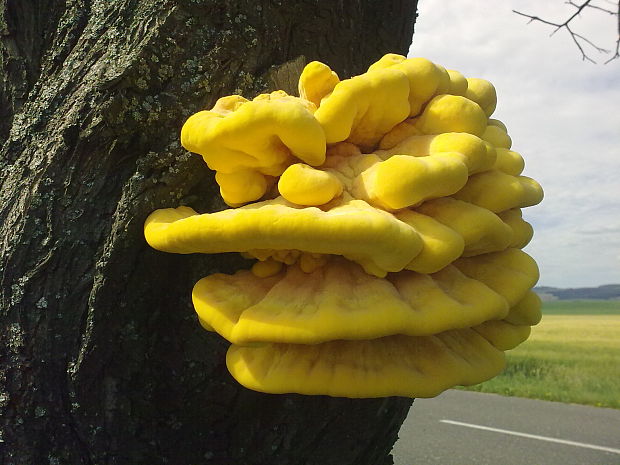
<point>355,230</point>
<point>452,113</point>
<point>304,185</point>
<point>317,81</point>
<point>249,140</point>
<point>362,109</point>
<point>421,366</point>
<point>476,155</point>
<point>509,162</point>
<point>340,301</point>
<point>425,78</point>
<point>384,214</point>
<point>483,93</point>
<point>497,191</point>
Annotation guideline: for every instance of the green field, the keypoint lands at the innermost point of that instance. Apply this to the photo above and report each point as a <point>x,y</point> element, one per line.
<point>582,307</point>
<point>573,355</point>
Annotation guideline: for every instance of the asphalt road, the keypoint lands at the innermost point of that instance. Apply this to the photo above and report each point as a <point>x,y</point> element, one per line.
<point>448,430</point>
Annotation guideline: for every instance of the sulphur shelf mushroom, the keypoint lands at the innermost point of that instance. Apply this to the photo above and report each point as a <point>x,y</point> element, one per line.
<point>384,214</point>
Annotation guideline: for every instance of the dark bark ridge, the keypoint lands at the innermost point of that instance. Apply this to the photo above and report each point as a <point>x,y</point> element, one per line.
<point>101,357</point>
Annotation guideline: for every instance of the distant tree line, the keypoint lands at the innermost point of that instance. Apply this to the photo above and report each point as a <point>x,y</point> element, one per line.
<point>606,292</point>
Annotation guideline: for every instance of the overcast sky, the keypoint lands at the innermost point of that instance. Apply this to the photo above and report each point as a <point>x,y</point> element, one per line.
<point>562,113</point>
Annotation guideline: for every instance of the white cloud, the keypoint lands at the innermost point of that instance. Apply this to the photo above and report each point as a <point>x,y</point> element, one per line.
<point>561,113</point>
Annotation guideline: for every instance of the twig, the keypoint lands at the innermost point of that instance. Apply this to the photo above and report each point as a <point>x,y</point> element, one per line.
<point>576,36</point>
<point>578,39</point>
<point>617,53</point>
<point>596,7</point>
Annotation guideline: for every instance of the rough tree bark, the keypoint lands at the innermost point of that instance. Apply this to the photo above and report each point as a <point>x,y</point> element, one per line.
<point>102,360</point>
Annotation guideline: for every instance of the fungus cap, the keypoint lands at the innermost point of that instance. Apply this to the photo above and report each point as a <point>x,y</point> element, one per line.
<point>402,181</point>
<point>497,191</point>
<point>260,134</point>
<point>477,155</point>
<point>452,113</point>
<point>422,366</point>
<point>304,185</point>
<point>317,80</point>
<point>363,108</point>
<point>372,237</point>
<point>425,80</point>
<point>483,93</point>
<point>340,301</point>
<point>458,83</point>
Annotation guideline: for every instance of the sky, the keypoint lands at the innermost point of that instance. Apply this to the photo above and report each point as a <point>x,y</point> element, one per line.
<point>562,113</point>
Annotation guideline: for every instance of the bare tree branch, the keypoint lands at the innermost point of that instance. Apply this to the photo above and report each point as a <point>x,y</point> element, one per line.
<point>579,39</point>
<point>617,52</point>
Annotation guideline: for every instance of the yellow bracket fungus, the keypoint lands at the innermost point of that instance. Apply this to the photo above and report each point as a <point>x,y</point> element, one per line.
<point>452,113</point>
<point>355,230</point>
<point>362,109</point>
<point>384,217</point>
<point>483,93</point>
<point>245,141</point>
<point>482,231</point>
<point>509,162</point>
<point>421,366</point>
<point>498,191</point>
<point>340,301</point>
<point>426,79</point>
<point>496,136</point>
<point>402,181</point>
<point>317,81</point>
<point>399,133</point>
<point>478,156</point>
<point>458,83</point>
<point>304,185</point>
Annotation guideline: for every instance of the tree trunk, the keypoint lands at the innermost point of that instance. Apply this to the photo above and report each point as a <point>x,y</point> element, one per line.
<point>102,360</point>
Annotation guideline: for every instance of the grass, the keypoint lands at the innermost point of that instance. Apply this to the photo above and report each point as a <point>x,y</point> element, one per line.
<point>582,307</point>
<point>573,355</point>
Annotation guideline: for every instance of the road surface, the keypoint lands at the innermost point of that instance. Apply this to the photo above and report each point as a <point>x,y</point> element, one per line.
<point>471,428</point>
